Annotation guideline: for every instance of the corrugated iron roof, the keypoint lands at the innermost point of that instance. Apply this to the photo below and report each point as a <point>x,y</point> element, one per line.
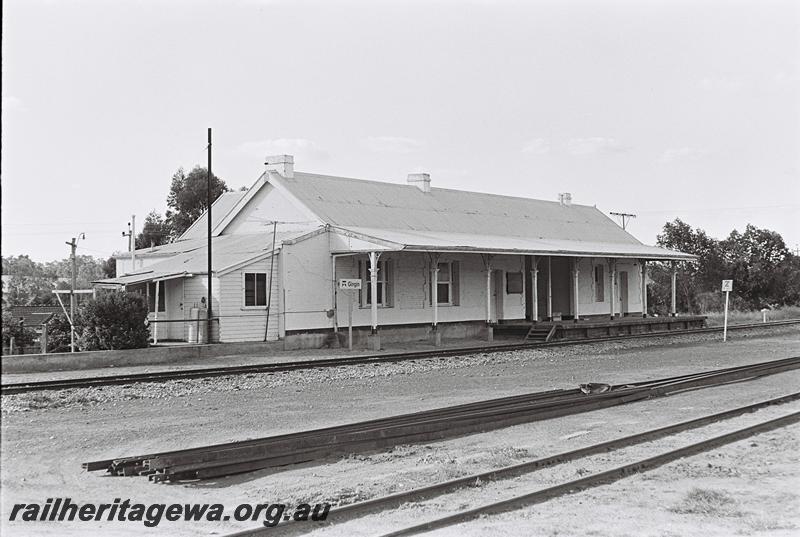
<point>373,204</point>
<point>195,236</point>
<point>219,209</point>
<point>469,221</point>
<point>226,250</point>
<point>165,250</point>
<point>468,242</point>
<point>141,277</point>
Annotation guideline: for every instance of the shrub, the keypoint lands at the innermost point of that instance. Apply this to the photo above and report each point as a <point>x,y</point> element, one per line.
<point>113,321</point>
<point>58,333</point>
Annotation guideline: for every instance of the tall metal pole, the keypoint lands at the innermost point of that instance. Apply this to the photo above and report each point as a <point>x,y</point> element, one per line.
<point>133,243</point>
<point>208,204</point>
<point>271,266</point>
<point>673,303</point>
<point>73,244</point>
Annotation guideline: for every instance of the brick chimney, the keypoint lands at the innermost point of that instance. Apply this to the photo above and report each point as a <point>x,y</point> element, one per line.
<point>420,180</point>
<point>283,164</point>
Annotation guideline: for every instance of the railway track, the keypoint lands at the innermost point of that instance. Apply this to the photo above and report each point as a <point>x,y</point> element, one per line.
<point>199,373</point>
<point>221,460</point>
<point>603,478</point>
<point>345,513</point>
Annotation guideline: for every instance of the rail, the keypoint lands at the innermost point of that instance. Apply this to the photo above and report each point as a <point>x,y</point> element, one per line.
<point>338,515</point>
<point>603,478</point>
<point>207,372</point>
<point>307,446</point>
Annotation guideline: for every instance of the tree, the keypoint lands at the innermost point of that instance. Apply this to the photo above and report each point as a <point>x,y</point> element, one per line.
<point>88,270</point>
<point>155,231</point>
<point>693,277</point>
<point>113,321</point>
<point>23,335</point>
<point>763,269</point>
<point>29,284</point>
<point>109,267</point>
<point>187,199</point>
<point>755,262</point>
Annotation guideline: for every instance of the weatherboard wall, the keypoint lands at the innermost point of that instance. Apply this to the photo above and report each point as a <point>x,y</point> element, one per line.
<point>242,323</point>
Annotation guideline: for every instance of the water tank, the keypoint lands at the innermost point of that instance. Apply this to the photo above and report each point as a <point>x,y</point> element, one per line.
<point>202,326</point>
<point>193,316</point>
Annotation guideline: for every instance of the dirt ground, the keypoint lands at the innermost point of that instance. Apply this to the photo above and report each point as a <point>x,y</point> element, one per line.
<point>46,437</point>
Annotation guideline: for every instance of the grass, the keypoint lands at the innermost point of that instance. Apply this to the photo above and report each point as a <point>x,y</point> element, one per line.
<point>707,502</point>
<point>715,318</point>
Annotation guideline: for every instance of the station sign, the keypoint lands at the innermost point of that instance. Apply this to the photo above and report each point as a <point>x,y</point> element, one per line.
<point>352,284</point>
<point>727,285</point>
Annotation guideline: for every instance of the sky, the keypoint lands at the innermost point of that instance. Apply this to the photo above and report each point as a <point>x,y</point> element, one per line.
<point>664,109</point>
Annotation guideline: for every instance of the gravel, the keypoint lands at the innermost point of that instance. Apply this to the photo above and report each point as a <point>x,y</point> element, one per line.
<point>105,395</point>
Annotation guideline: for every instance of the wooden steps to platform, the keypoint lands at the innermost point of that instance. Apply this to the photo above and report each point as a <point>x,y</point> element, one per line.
<point>539,333</point>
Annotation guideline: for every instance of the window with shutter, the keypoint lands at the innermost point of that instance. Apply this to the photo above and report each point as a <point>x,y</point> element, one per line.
<point>384,286</point>
<point>455,270</point>
<point>444,285</point>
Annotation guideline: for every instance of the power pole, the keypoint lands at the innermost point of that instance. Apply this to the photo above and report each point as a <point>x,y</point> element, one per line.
<point>131,234</point>
<point>625,217</point>
<point>133,243</point>
<point>73,244</point>
<point>208,204</point>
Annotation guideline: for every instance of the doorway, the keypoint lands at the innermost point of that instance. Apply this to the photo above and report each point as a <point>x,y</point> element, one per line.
<point>623,293</point>
<point>562,290</point>
<point>499,291</point>
<point>174,303</point>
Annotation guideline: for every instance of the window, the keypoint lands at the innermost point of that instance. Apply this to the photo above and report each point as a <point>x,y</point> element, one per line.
<point>446,284</point>
<point>599,284</point>
<point>384,294</point>
<point>443,284</point>
<point>255,289</point>
<point>514,283</point>
<point>151,297</point>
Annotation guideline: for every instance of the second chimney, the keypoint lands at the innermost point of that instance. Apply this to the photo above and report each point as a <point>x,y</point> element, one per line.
<point>283,164</point>
<point>420,180</point>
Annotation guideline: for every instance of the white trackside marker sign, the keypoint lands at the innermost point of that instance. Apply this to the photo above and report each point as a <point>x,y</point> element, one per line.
<point>727,287</point>
<point>350,284</point>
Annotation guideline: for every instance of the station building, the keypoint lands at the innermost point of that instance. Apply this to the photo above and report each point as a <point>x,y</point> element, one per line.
<point>431,263</point>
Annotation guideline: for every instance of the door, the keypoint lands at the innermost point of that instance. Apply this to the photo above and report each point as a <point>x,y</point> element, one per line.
<point>499,291</point>
<point>623,292</point>
<point>529,288</point>
<point>174,304</point>
<point>562,286</point>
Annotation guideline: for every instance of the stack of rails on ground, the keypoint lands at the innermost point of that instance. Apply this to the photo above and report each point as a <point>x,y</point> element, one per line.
<point>228,459</point>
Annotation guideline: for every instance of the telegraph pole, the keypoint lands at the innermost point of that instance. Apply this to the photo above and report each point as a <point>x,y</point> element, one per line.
<point>625,217</point>
<point>133,243</point>
<point>73,244</point>
<point>131,234</point>
<point>208,219</point>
